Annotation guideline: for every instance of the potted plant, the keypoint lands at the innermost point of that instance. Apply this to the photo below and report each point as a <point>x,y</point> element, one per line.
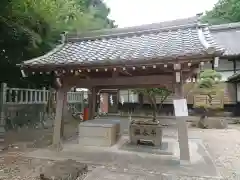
<point>149,129</point>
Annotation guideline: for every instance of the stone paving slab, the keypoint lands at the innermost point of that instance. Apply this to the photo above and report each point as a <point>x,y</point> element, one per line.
<point>104,173</point>
<point>201,163</point>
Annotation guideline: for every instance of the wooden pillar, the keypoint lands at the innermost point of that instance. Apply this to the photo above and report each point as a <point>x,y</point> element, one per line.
<point>58,118</point>
<point>92,103</point>
<point>89,103</point>
<point>234,66</point>
<point>212,63</point>
<point>181,121</point>
<point>65,114</point>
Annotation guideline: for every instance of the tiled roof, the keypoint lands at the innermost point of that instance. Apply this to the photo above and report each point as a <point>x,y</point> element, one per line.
<point>227,36</point>
<point>163,41</point>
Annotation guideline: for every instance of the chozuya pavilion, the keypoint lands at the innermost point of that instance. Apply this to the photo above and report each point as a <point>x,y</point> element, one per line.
<point>155,55</point>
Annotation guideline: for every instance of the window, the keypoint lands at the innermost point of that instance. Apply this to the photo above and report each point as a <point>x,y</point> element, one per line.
<point>224,64</point>
<point>238,65</point>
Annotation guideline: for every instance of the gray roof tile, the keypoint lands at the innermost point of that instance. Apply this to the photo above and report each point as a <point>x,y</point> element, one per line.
<point>167,40</point>
<point>227,36</point>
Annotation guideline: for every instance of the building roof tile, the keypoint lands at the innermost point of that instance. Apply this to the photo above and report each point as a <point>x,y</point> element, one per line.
<point>227,36</point>
<point>166,40</point>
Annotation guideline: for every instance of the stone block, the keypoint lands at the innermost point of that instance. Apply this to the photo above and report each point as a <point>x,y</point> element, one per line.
<point>215,123</point>
<point>94,134</point>
<point>145,132</point>
<point>64,170</point>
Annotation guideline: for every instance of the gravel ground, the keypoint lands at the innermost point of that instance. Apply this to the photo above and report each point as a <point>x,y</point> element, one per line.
<point>14,166</point>
<point>224,148</point>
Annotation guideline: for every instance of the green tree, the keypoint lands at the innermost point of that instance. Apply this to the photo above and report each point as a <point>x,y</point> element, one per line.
<point>224,11</point>
<point>30,28</point>
<point>151,94</point>
<point>207,85</point>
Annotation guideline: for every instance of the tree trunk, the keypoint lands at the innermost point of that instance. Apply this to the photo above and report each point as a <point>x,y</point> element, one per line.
<point>141,100</point>
<point>203,117</point>
<point>152,100</point>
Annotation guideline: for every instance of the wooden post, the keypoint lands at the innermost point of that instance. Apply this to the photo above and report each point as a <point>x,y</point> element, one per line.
<point>58,118</point>
<point>44,99</point>
<point>181,121</point>
<point>92,103</point>
<point>82,101</point>
<point>65,113</point>
<point>2,110</point>
<point>89,103</point>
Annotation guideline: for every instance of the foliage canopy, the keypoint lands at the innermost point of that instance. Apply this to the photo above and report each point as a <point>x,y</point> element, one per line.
<point>151,94</point>
<point>224,11</point>
<point>207,85</point>
<point>30,28</point>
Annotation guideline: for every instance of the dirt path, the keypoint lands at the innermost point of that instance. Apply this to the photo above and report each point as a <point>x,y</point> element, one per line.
<point>13,165</point>
<point>37,138</point>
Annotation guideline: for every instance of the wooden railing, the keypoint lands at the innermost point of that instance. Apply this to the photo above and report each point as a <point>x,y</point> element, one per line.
<point>34,96</point>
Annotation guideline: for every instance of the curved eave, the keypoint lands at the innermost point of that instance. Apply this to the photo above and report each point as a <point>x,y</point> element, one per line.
<point>31,61</point>
<point>208,41</point>
<point>135,62</point>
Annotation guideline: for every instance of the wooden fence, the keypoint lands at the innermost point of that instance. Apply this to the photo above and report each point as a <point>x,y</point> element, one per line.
<point>35,96</point>
<point>20,107</point>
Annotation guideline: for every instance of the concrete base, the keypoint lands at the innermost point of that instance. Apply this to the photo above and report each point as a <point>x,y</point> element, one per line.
<point>141,160</point>
<point>98,134</point>
<point>146,132</point>
<point>184,162</point>
<point>212,123</point>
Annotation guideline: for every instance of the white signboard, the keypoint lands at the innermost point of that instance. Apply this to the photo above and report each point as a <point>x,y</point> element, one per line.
<point>180,107</point>
<point>216,61</point>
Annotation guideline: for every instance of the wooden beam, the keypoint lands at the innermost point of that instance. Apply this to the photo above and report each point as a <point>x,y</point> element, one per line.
<point>186,75</point>
<point>119,81</point>
<point>115,73</point>
<point>168,86</point>
<point>125,72</point>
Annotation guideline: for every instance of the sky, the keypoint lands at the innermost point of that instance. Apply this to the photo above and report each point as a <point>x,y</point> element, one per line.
<point>128,13</point>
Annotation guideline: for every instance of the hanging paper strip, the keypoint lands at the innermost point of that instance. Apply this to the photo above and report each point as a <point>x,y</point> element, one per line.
<point>111,100</point>
<point>122,100</point>
<point>101,98</point>
<point>132,97</point>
